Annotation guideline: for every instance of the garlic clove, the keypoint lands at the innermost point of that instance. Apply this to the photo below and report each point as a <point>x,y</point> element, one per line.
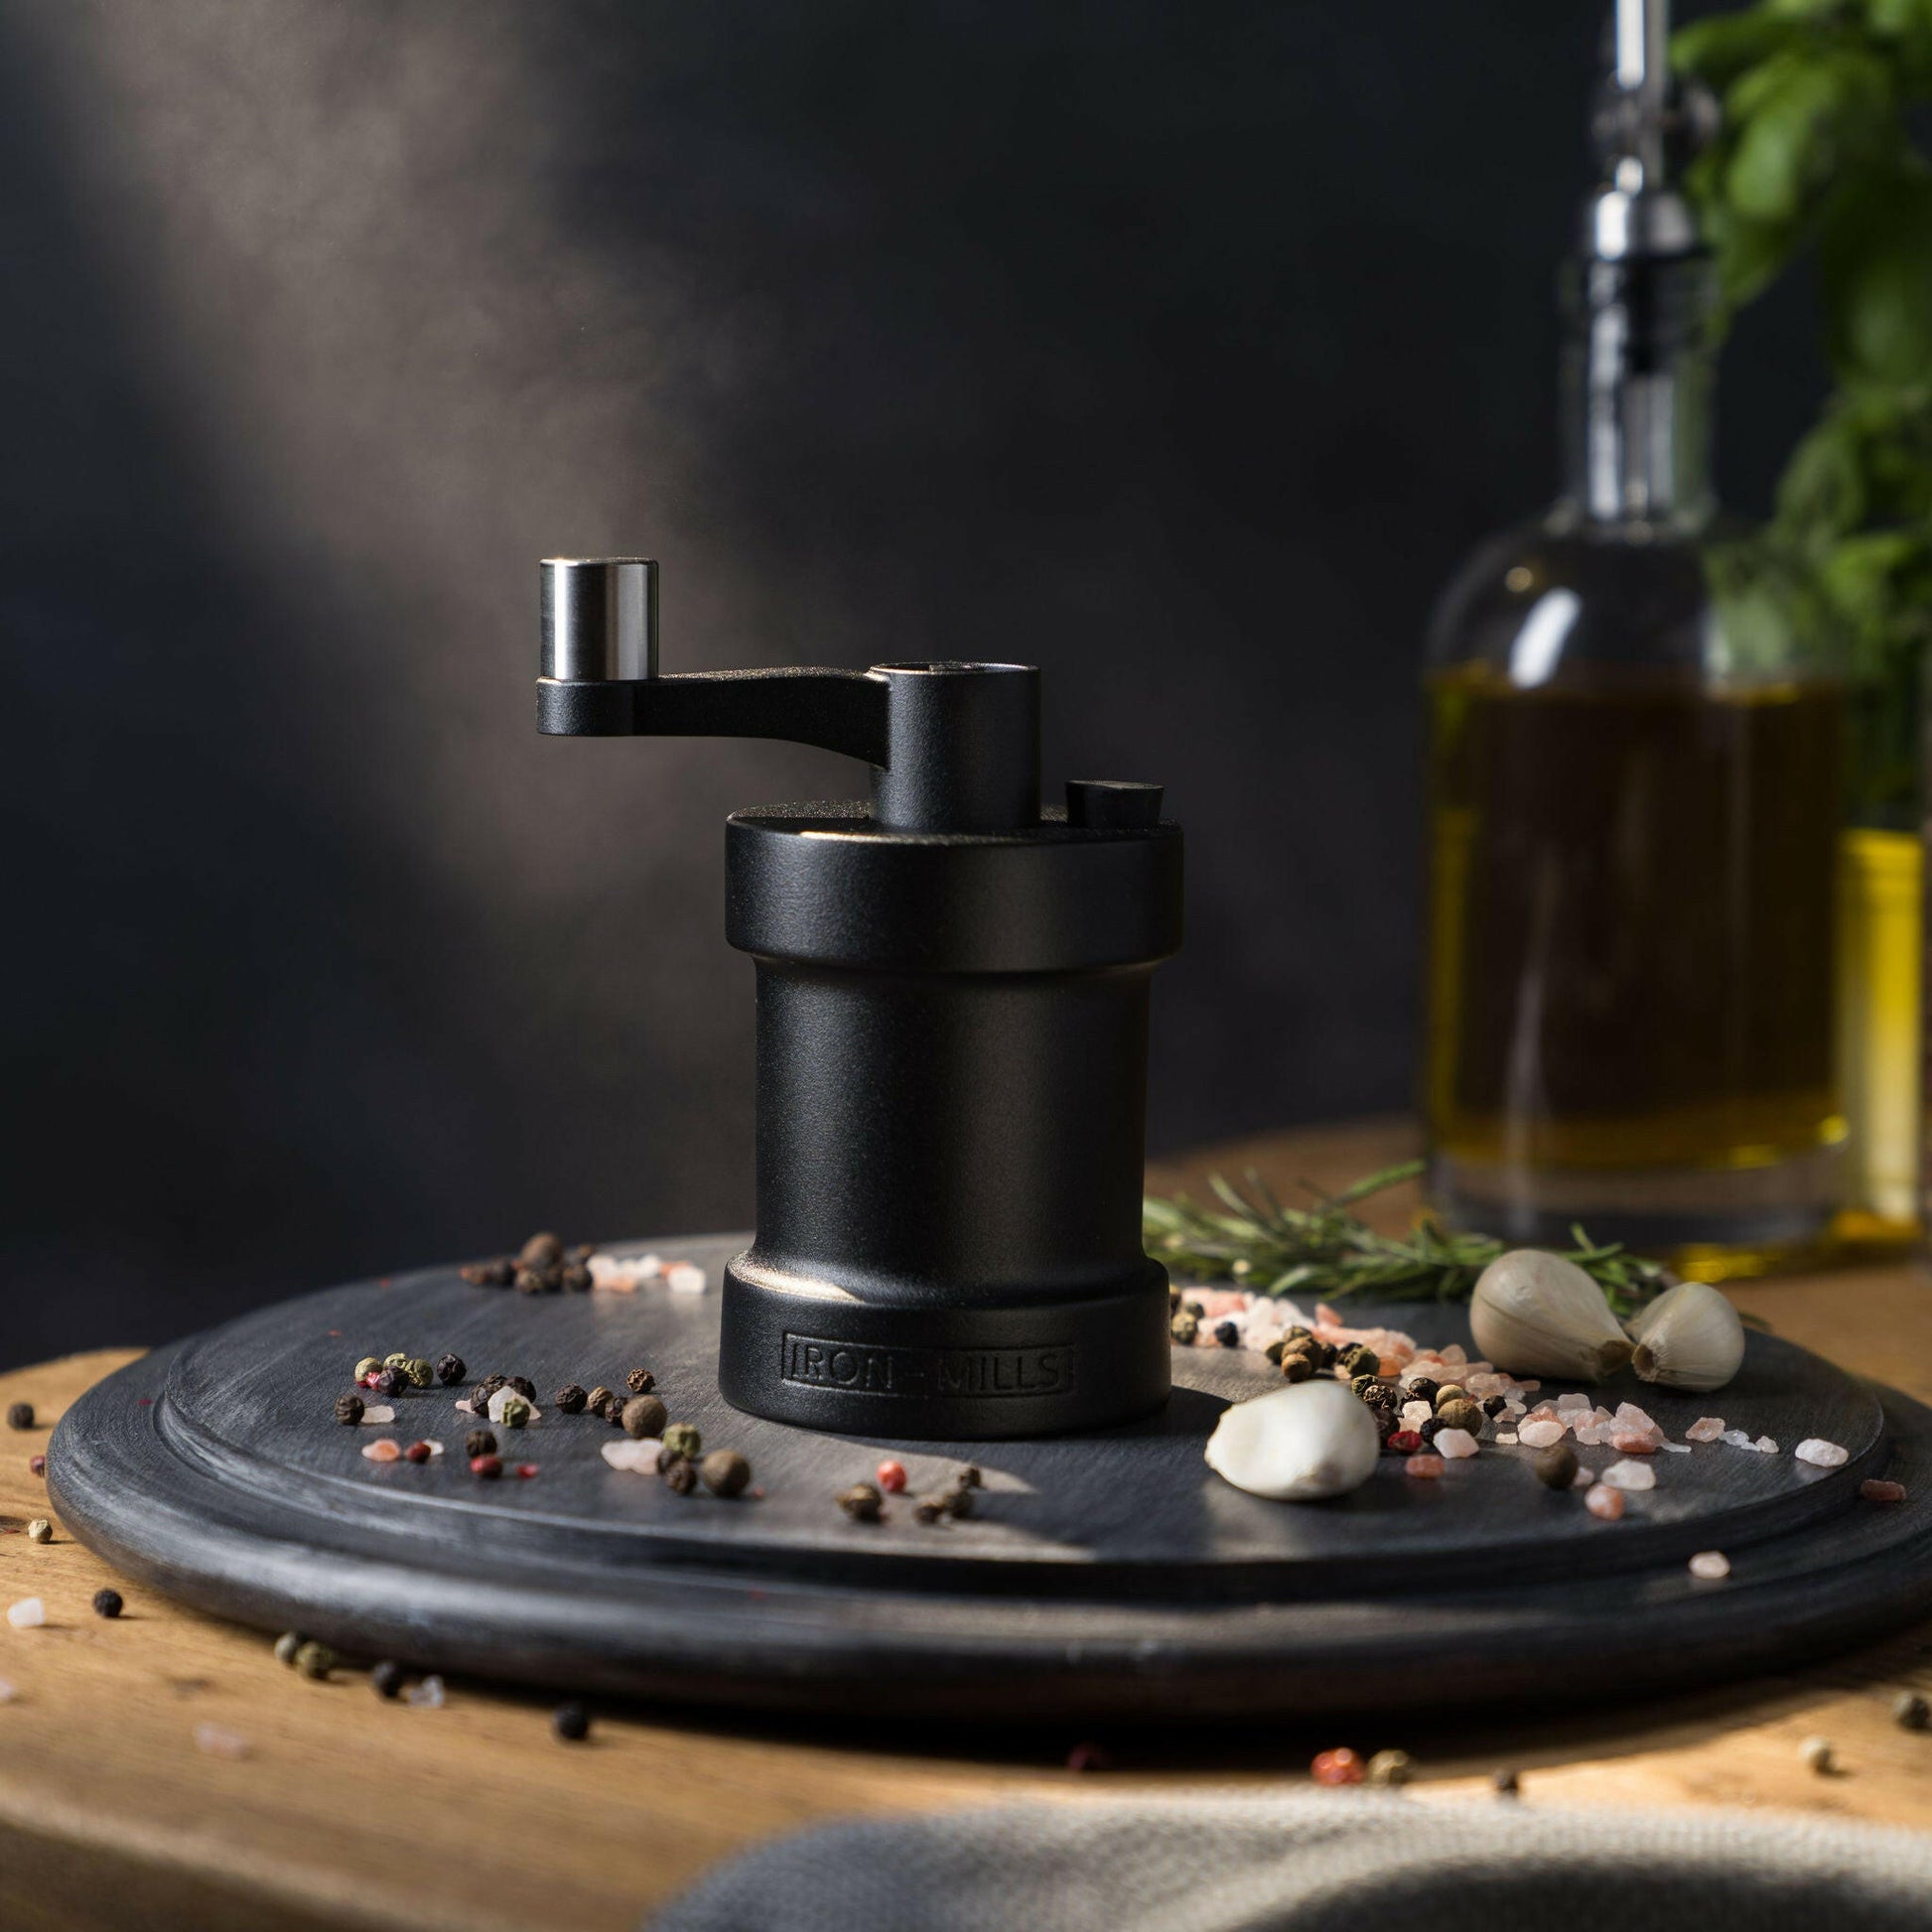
<point>1690,1337</point>
<point>1299,1444</point>
<point>1537,1313</point>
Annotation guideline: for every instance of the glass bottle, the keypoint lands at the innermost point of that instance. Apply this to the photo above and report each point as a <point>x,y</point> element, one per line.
<point>1636,801</point>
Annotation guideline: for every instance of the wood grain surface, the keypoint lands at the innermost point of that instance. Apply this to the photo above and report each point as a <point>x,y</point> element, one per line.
<point>351,1812</point>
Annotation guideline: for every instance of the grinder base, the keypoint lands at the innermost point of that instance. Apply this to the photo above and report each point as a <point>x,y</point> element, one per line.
<point>942,1373</point>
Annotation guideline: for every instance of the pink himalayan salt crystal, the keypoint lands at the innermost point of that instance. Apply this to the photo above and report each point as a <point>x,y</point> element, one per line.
<point>1455,1443</point>
<point>1630,1475</point>
<point>1633,1442</point>
<point>1218,1303</point>
<point>1326,1316</point>
<point>1706,1429</point>
<point>1765,1445</point>
<point>1605,1502</point>
<point>1415,1413</point>
<point>1582,1479</point>
<point>1388,1365</point>
<point>1539,1431</point>
<point>1709,1566</point>
<point>1594,1435</point>
<point>220,1742</point>
<point>1546,1412</point>
<point>1821,1453</point>
<point>385,1449</point>
<point>1424,1464</point>
<point>375,1417</point>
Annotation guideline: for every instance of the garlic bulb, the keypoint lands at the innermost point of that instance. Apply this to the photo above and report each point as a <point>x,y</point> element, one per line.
<point>1535,1314</point>
<point>1690,1337</point>
<point>1299,1444</point>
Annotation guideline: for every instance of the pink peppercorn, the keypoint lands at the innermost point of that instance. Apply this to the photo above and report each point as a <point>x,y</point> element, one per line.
<point>418,1451</point>
<point>526,1471</point>
<point>1340,1766</point>
<point>1404,1441</point>
<point>1602,1500</point>
<point>892,1477</point>
<point>1423,1466</point>
<point>37,1466</point>
<point>485,1466</point>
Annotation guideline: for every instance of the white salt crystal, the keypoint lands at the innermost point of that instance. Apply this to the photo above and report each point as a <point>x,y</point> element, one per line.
<point>1541,1433</point>
<point>219,1742</point>
<point>1415,1413</point>
<point>640,1458</point>
<point>1454,1444</point>
<point>1710,1565</point>
<point>464,1403</point>
<point>1575,1399</point>
<point>1506,1436</point>
<point>374,1418</point>
<point>1739,1439</point>
<point>28,1614</point>
<point>1824,1455</point>
<point>7,1692</point>
<point>1676,1448</point>
<point>427,1694</point>
<point>1630,1475</point>
<point>1631,1417</point>
<point>1764,1446</point>
<point>1706,1429</point>
<point>503,1398</point>
<point>684,1278</point>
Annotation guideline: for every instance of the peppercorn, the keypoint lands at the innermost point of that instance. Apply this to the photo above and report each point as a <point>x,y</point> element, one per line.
<point>480,1442</point>
<point>929,1509</point>
<point>1174,1298</point>
<point>575,1279</point>
<point>418,1453</point>
<point>580,1253</point>
<point>570,1400</point>
<point>531,1281</point>
<point>1273,1353</point>
<point>400,1359</point>
<point>20,1415</point>
<point>541,1251</point>
<point>599,1400</point>
<point>571,1722</point>
<point>1390,1768</point>
<point>1296,1367</point>
<point>1360,1385</point>
<point>677,1475</point>
<point>40,1530</point>
<point>1462,1414</point>
<point>682,1438</point>
<point>1556,1466</point>
<point>450,1370</point>
<point>891,1477</point>
<point>419,1371</point>
<point>958,1502</point>
<point>314,1660</point>
<point>643,1415</point>
<point>1911,1712</point>
<point>349,1409</point>
<point>1360,1361</point>
<point>386,1678</point>
<point>862,1503</point>
<point>967,1476</point>
<point>37,1466</point>
<point>523,1386</point>
<point>1431,1429</point>
<point>1385,1422</point>
<point>513,1412</point>
<point>1404,1441</point>
<point>1296,1332</point>
<point>1227,1335</point>
<point>1379,1394</point>
<point>489,1274</point>
<point>367,1367</point>
<point>1506,1784</point>
<point>1198,1309</point>
<point>480,1394</point>
<point>107,1603</point>
<point>287,1644</point>
<point>725,1472</point>
<point>1494,1405</point>
<point>1817,1756</point>
<point>487,1467</point>
<point>1340,1766</point>
<point>1447,1393</point>
<point>1419,1389</point>
<point>1184,1328</point>
<point>388,1381</point>
<point>640,1381</point>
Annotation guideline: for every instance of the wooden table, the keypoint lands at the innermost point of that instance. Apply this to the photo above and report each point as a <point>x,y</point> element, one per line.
<point>350,1812</point>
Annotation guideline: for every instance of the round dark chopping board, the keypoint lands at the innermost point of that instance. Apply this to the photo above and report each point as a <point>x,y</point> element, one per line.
<point>1102,1574</point>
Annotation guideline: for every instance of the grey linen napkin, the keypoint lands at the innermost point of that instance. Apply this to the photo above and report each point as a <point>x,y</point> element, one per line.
<point>1341,1861</point>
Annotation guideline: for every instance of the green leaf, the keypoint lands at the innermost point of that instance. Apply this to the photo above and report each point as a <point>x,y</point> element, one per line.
<point>1875,263</point>
<point>1719,49</point>
<point>1801,119</point>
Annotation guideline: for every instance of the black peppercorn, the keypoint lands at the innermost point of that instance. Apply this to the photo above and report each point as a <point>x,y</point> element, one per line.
<point>1431,1430</point>
<point>571,1400</point>
<point>480,1394</point>
<point>480,1442</point>
<point>677,1475</point>
<point>349,1409</point>
<point>575,1277</point>
<point>640,1381</point>
<point>1421,1389</point>
<point>1273,1353</point>
<point>929,1509</point>
<point>1227,1335</point>
<point>862,1503</point>
<point>1385,1421</point>
<point>571,1722</point>
<point>524,1387</point>
<point>388,1381</point>
<point>386,1678</point>
<point>107,1602</point>
<point>1494,1405</point>
<point>967,1477</point>
<point>598,1400</point>
<point>959,1502</point>
<point>450,1370</point>
<point>1556,1466</point>
<point>20,1415</point>
<point>1321,1353</point>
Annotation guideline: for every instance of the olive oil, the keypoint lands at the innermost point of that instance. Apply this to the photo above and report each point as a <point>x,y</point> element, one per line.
<point>1634,954</point>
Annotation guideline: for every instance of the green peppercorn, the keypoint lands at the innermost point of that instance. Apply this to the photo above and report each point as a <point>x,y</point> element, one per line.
<point>1390,1768</point>
<point>677,1475</point>
<point>420,1374</point>
<point>725,1472</point>
<point>349,1409</point>
<point>287,1644</point>
<point>513,1412</point>
<point>1556,1466</point>
<point>644,1415</point>
<point>681,1438</point>
<point>1360,1361</point>
<point>397,1360</point>
<point>480,1442</point>
<point>1296,1367</point>
<point>1184,1328</point>
<point>862,1503</point>
<point>314,1660</point>
<point>1361,1385</point>
<point>570,1400</point>
<point>1462,1414</point>
<point>640,1381</point>
<point>367,1367</point>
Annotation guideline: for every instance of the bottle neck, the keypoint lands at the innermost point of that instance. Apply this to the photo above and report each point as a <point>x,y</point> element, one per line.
<point>1638,395</point>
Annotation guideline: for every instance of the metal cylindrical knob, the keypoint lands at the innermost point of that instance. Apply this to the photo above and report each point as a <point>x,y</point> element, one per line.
<point>600,617</point>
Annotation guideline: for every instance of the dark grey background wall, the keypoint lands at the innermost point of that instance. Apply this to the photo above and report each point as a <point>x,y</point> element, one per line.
<point>1179,348</point>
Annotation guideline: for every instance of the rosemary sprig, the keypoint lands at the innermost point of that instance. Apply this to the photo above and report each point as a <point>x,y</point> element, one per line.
<point>1328,1250</point>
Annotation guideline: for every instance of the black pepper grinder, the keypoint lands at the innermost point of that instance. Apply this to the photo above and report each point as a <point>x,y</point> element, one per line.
<point>952,1012</point>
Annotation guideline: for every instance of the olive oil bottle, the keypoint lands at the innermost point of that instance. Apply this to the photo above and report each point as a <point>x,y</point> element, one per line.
<point>1673,990</point>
